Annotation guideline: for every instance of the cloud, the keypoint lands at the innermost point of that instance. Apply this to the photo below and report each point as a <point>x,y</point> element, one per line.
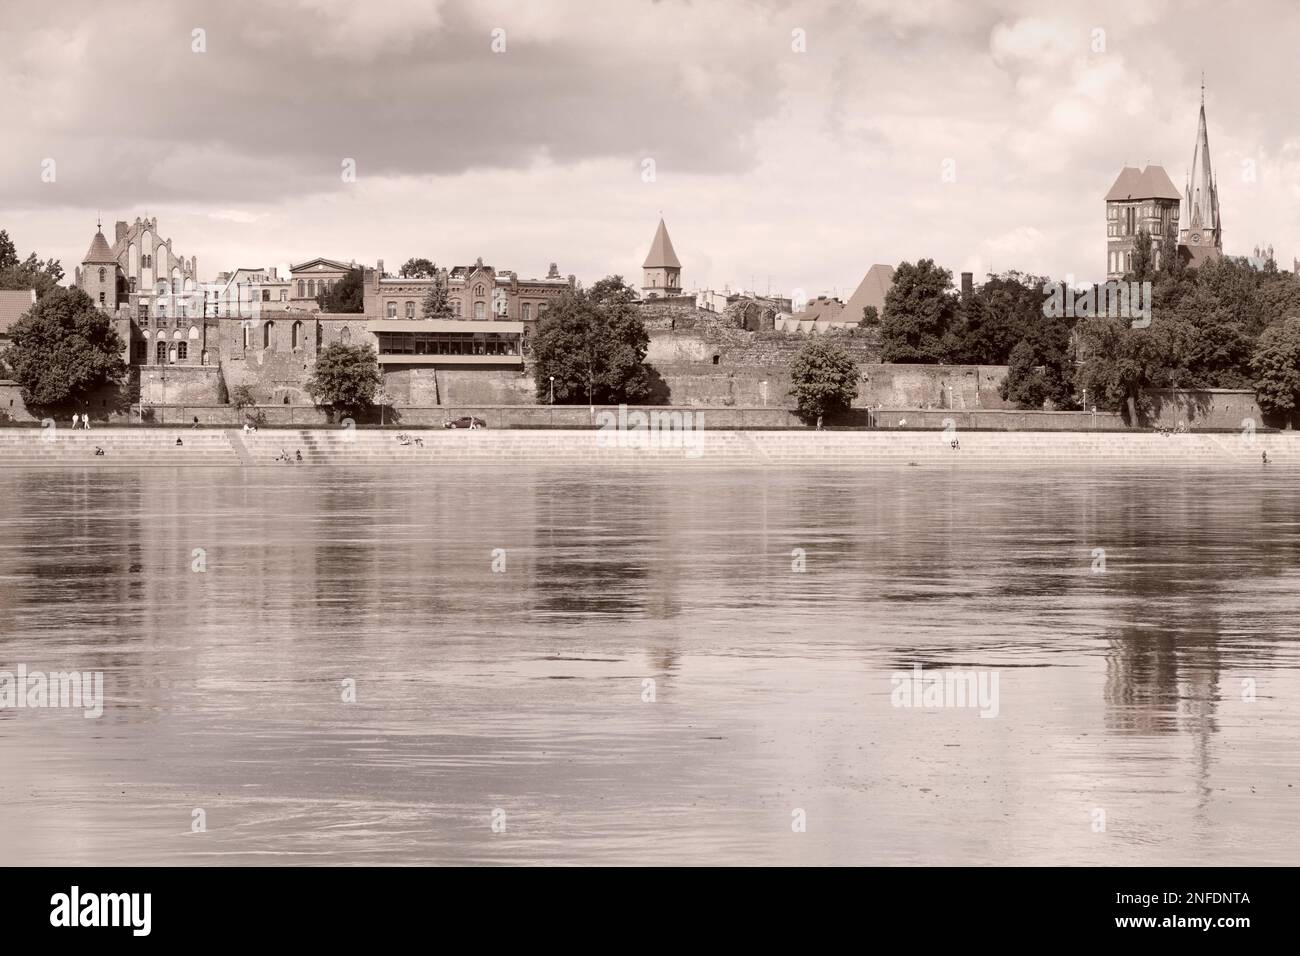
<point>802,166</point>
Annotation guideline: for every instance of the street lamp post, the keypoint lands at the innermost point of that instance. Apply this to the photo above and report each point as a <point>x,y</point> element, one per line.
<point>552,389</point>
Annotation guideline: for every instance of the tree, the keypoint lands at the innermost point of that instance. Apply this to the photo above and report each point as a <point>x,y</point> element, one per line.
<point>416,269</point>
<point>870,317</point>
<point>1000,313</point>
<point>437,303</point>
<point>1024,383</point>
<point>242,397</point>
<point>346,377</point>
<point>63,349</point>
<point>594,343</point>
<point>920,309</point>
<point>1119,362</point>
<point>8,251</point>
<point>1140,269</point>
<point>346,295</point>
<point>43,275</point>
<point>823,379</point>
<point>1276,363</point>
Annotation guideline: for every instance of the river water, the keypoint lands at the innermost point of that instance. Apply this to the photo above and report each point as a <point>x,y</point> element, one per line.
<point>643,674</point>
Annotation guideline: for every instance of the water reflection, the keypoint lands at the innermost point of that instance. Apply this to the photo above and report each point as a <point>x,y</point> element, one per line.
<point>524,687</point>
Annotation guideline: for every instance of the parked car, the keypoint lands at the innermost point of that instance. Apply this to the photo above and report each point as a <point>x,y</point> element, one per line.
<point>466,421</point>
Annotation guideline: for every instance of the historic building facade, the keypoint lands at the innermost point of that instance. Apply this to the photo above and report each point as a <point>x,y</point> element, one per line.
<point>1140,199</point>
<point>154,294</point>
<point>309,279</point>
<point>508,304</point>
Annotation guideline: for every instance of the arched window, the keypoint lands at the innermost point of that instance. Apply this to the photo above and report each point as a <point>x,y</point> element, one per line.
<point>160,353</point>
<point>302,289</point>
<point>345,336</point>
<point>478,289</point>
<point>182,351</point>
<point>392,310</point>
<point>478,310</point>
<point>194,333</point>
<point>171,357</point>
<point>266,295</point>
<point>455,308</point>
<point>203,356</point>
<point>101,275</point>
<point>267,330</point>
<point>296,330</point>
<point>311,288</point>
<point>410,310</point>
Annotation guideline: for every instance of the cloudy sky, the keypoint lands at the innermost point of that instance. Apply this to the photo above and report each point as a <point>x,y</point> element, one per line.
<point>793,144</point>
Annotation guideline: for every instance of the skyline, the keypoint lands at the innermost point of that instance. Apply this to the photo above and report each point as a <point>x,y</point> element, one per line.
<point>845,147</point>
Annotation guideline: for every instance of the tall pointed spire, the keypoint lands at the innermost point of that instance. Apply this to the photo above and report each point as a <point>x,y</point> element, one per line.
<point>1200,228</point>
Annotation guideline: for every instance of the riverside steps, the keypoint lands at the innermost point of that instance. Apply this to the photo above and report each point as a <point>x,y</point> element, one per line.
<point>125,446</point>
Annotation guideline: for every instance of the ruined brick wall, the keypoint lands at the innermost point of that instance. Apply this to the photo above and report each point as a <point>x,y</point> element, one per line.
<point>274,357</point>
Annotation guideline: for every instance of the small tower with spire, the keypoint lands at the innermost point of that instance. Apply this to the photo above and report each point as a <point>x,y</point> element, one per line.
<point>98,273</point>
<point>1200,235</point>
<point>662,272</point>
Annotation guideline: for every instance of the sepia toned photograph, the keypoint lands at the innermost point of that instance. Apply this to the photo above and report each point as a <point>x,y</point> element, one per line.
<point>649,433</point>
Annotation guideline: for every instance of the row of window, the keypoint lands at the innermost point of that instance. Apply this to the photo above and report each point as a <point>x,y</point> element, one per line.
<point>480,310</point>
<point>449,343</point>
<point>296,340</point>
<point>310,288</point>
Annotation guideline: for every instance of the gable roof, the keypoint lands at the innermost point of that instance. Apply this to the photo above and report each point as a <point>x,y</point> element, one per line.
<point>871,290</point>
<point>12,306</point>
<point>320,264</point>
<point>661,254</point>
<point>1150,183</point>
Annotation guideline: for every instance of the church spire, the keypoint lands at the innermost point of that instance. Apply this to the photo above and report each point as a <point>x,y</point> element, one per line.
<point>1200,228</point>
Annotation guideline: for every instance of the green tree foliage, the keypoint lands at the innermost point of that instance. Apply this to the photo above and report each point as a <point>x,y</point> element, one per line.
<point>416,269</point>
<point>1119,362</point>
<point>594,342</point>
<point>1142,268</point>
<point>43,275</point>
<point>1276,365</point>
<point>1024,384</point>
<point>63,349</point>
<point>823,379</point>
<point>920,315</point>
<point>437,301</point>
<point>346,377</point>
<point>346,295</point>
<point>870,317</point>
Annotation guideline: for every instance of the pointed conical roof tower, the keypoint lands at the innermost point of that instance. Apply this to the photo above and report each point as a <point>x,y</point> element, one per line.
<point>662,255</point>
<point>99,253</point>
<point>1201,230</point>
<point>662,269</point>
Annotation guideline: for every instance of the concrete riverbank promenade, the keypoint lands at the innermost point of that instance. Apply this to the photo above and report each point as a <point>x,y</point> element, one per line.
<point>157,446</point>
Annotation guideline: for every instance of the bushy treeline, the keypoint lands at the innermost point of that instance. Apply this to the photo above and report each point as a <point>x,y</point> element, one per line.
<point>1222,325</point>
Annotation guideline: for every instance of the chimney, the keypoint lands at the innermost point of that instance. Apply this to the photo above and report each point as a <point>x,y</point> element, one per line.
<point>380,268</point>
<point>967,284</point>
